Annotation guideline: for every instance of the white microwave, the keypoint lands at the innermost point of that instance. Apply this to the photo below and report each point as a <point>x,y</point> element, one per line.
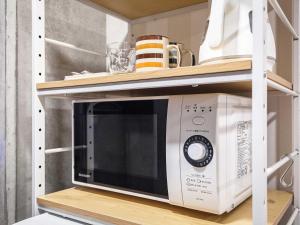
<point>192,151</point>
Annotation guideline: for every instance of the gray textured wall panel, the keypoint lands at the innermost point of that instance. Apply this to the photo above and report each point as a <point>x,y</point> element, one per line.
<point>83,27</point>
<point>67,21</point>
<point>10,108</point>
<point>2,113</point>
<point>24,110</point>
<point>78,24</point>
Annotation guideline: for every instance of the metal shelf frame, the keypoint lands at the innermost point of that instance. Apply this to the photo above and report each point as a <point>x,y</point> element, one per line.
<point>259,111</point>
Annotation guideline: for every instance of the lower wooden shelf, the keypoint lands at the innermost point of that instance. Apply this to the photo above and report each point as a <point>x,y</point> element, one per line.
<point>126,210</point>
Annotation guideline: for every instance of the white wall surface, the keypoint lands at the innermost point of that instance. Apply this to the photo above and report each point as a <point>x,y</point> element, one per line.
<point>185,26</point>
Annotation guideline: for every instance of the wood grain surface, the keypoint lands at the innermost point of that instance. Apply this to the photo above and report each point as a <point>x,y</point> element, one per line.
<point>127,210</point>
<point>133,9</point>
<point>221,67</point>
<point>224,66</point>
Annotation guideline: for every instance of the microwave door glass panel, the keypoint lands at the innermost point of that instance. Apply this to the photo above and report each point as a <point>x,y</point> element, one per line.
<point>125,145</point>
<point>128,145</point>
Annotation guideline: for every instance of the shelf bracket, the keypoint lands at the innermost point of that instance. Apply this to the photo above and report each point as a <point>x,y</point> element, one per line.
<point>64,149</point>
<point>271,170</point>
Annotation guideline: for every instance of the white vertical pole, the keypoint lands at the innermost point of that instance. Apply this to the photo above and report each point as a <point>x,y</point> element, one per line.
<point>259,114</point>
<point>296,105</point>
<point>38,113</point>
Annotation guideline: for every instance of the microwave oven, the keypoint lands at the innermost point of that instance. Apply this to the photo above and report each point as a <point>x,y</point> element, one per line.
<point>192,151</point>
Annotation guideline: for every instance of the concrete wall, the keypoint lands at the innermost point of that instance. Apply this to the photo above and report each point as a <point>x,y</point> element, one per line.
<point>66,22</point>
<point>78,23</point>
<point>7,111</point>
<point>2,114</point>
<point>23,204</point>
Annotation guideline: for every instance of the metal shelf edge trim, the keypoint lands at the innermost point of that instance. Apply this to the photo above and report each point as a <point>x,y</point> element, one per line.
<point>282,88</point>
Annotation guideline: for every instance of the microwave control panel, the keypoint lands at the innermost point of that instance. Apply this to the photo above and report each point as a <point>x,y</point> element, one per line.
<point>197,152</point>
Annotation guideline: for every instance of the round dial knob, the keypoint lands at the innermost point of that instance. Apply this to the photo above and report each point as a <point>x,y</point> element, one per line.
<point>198,151</point>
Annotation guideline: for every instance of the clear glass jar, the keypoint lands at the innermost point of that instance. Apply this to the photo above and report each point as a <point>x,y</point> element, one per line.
<point>121,57</point>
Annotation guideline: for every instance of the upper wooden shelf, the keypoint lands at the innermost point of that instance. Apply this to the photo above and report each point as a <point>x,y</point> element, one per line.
<point>133,9</point>
<point>222,67</point>
<point>225,76</point>
<point>121,209</point>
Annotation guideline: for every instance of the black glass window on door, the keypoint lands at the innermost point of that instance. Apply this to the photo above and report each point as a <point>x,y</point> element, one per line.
<point>122,145</point>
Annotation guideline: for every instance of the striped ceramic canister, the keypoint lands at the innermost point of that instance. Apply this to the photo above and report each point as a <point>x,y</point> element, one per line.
<point>152,53</point>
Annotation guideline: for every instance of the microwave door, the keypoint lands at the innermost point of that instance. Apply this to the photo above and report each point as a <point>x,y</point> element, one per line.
<point>126,145</point>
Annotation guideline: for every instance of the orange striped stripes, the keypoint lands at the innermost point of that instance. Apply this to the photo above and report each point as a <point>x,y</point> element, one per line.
<point>149,64</point>
<point>150,45</point>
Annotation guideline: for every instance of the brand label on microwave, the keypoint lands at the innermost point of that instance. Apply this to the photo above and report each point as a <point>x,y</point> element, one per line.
<point>244,166</point>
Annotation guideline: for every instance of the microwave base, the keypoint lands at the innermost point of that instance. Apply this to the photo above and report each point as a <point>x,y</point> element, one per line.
<point>237,201</point>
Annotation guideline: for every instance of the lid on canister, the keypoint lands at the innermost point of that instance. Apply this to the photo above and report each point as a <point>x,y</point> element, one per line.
<point>150,37</point>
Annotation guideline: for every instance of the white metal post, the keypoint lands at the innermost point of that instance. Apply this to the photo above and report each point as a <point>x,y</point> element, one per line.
<point>38,113</point>
<point>259,114</point>
<point>296,109</point>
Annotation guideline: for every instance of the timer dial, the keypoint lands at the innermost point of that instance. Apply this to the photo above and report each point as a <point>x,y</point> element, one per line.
<point>198,151</point>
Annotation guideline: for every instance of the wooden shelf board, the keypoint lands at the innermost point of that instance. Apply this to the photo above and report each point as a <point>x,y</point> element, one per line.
<point>280,80</point>
<point>222,67</point>
<point>133,9</point>
<point>122,209</point>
